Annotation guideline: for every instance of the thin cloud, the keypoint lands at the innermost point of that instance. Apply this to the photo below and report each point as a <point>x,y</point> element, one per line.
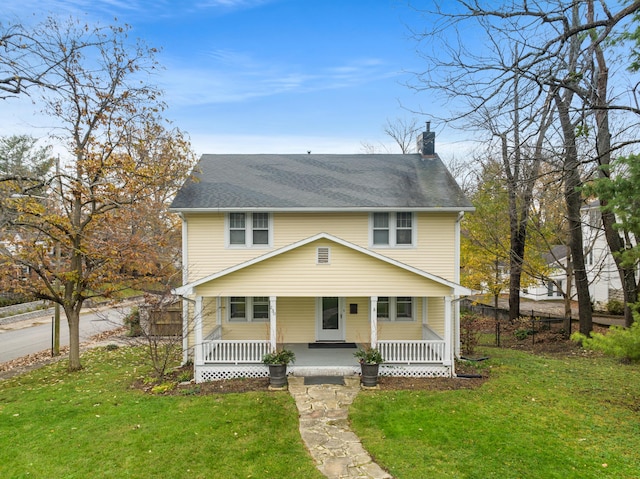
<point>135,9</point>
<point>236,77</point>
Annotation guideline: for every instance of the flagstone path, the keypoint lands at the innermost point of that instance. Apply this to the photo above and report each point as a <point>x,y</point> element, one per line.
<point>325,430</point>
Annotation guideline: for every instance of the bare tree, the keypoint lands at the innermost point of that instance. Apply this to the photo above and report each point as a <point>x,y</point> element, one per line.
<point>403,132</point>
<point>552,49</point>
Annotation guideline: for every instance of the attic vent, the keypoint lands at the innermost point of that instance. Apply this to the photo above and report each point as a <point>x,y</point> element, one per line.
<point>323,255</point>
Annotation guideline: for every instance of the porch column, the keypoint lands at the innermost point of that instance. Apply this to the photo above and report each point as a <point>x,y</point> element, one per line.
<point>273,330</point>
<point>447,331</point>
<point>198,330</point>
<point>373,313</point>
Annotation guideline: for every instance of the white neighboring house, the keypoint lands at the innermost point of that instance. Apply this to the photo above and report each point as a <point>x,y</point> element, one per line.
<point>553,287</point>
<point>602,273</point>
<point>604,279</point>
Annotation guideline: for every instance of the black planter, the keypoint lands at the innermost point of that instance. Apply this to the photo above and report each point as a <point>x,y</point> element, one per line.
<point>277,375</point>
<point>369,374</point>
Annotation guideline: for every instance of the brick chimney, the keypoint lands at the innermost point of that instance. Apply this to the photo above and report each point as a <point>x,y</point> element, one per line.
<point>427,142</point>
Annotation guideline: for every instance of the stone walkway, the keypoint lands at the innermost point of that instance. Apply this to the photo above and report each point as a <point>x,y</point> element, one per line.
<point>324,427</point>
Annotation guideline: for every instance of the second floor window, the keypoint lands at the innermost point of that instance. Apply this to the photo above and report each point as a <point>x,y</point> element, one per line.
<point>392,229</point>
<point>249,229</point>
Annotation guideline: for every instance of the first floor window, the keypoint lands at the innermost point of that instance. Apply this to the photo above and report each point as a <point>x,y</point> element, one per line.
<point>261,308</point>
<point>238,308</point>
<point>395,309</point>
<point>383,308</point>
<point>249,309</point>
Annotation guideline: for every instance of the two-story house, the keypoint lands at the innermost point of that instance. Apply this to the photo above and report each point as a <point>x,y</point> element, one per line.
<point>321,253</point>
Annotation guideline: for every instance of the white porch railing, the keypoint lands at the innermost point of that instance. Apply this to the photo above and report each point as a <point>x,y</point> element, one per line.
<point>412,352</point>
<point>234,352</point>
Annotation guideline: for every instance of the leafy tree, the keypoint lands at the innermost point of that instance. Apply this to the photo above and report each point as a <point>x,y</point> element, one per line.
<point>485,239</point>
<point>619,191</point>
<point>106,212</point>
<point>486,242</point>
<point>22,160</point>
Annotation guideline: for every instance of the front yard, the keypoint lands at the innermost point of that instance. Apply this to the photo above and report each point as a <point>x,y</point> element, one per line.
<point>94,424</point>
<point>573,415</point>
<point>568,416</point>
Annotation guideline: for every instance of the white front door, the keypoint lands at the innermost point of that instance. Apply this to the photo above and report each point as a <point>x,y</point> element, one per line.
<point>330,319</point>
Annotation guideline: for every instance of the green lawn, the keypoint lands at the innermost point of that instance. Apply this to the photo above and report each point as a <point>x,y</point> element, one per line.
<point>93,424</point>
<point>536,418</point>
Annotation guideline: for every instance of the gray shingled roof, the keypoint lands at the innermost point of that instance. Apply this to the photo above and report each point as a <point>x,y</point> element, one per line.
<point>320,182</point>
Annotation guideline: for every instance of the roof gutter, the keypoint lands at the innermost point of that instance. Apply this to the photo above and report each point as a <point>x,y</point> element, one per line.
<point>429,209</point>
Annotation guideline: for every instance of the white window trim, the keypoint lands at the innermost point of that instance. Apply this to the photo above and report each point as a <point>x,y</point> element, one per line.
<point>248,227</point>
<point>393,230</point>
<point>248,309</point>
<point>393,310</point>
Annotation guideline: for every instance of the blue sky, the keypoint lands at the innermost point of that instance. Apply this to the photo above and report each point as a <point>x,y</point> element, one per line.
<point>274,76</point>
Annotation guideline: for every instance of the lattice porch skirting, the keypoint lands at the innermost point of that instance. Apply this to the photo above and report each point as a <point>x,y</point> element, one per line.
<point>415,370</point>
<point>217,373</point>
<point>220,372</point>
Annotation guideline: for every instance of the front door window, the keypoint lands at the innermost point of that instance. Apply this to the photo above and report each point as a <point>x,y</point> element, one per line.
<point>330,321</point>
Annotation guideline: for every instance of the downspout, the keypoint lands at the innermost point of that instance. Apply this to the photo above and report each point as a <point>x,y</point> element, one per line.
<point>185,280</point>
<point>456,275</point>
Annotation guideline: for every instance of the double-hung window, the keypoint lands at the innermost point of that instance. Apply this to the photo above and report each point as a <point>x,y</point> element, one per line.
<point>392,229</point>
<point>249,229</point>
<point>249,309</point>
<point>399,308</point>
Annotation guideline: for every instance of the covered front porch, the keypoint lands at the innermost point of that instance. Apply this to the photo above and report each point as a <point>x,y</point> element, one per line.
<point>323,333</point>
<point>233,359</point>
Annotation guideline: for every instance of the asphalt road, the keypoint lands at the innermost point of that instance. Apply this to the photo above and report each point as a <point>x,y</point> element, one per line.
<point>32,336</point>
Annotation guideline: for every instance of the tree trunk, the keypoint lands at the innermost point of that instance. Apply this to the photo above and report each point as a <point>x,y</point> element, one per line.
<point>567,297</point>
<point>603,147</point>
<point>573,198</point>
<point>73,319</point>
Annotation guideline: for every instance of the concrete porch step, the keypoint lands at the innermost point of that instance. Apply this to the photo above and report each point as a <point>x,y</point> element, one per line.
<point>323,370</point>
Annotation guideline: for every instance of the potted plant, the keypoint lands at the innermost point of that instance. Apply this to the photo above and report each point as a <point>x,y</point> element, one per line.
<point>277,361</point>
<point>370,360</point>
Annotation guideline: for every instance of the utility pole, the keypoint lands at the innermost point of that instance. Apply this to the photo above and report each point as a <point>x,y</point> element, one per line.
<point>55,350</point>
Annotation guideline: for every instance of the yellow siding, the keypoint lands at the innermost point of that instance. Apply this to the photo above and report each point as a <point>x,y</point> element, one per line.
<point>358,326</point>
<point>291,227</point>
<point>206,252</point>
<point>296,320</point>
<point>296,273</point>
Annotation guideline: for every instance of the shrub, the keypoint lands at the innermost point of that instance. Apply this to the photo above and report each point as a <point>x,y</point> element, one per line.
<point>622,343</point>
<point>369,356</point>
<point>615,306</point>
<point>132,321</point>
<point>469,332</point>
<point>522,334</point>
<point>282,356</point>
<point>163,388</point>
